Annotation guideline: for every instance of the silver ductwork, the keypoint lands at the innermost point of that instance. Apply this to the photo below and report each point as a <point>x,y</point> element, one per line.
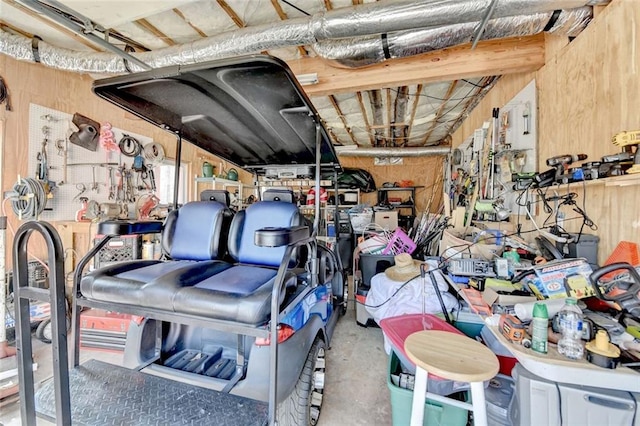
<point>426,151</point>
<point>358,21</point>
<point>358,52</point>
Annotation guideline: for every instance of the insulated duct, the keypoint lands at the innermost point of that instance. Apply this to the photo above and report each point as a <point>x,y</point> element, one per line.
<point>357,21</point>
<point>347,151</point>
<point>358,52</point>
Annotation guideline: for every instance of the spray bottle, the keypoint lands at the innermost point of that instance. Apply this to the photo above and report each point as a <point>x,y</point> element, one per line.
<point>540,324</point>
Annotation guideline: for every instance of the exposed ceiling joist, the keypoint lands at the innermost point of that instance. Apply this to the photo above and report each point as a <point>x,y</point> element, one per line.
<point>334,102</point>
<point>6,26</point>
<point>414,108</point>
<point>184,18</point>
<point>400,126</point>
<point>508,56</point>
<point>435,122</point>
<point>149,27</point>
<point>232,14</point>
<point>365,119</point>
<point>283,16</point>
<point>389,119</point>
<point>375,99</point>
<point>484,84</point>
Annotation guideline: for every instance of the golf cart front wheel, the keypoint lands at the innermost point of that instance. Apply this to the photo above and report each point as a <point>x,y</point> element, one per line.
<point>303,406</point>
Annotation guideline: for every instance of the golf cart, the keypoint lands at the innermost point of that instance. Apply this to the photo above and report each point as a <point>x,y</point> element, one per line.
<point>238,313</point>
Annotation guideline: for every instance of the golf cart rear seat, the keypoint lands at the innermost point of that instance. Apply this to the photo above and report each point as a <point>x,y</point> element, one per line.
<point>242,293</point>
<point>190,238</point>
<point>194,282</point>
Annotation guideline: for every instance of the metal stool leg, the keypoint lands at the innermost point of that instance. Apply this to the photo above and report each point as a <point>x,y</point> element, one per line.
<point>479,405</point>
<point>419,395</point>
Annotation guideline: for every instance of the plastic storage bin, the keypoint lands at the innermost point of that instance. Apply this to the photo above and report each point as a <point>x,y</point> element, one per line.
<point>499,395</point>
<point>369,265</point>
<point>505,358</point>
<point>469,323</point>
<point>397,329</point>
<point>587,247</point>
<point>372,264</point>
<point>543,402</point>
<point>436,413</point>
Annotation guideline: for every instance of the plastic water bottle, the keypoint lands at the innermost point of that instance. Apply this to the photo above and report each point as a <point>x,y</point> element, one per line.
<point>570,321</point>
<point>540,325</point>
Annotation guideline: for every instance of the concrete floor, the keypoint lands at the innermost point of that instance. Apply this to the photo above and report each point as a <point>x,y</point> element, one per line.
<point>355,385</point>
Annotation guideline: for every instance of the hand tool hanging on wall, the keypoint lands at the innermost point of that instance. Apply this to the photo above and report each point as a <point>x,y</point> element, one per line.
<point>129,146</point>
<point>61,147</point>
<point>42,170</point>
<point>92,164</point>
<point>81,214</point>
<point>88,132</point>
<point>94,182</point>
<point>129,195</point>
<point>82,189</point>
<point>495,134</point>
<point>152,179</point>
<point>112,184</point>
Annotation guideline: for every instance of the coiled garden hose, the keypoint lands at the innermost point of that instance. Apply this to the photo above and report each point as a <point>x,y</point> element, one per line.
<point>31,198</point>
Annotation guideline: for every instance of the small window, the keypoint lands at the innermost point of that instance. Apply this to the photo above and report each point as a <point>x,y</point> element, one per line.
<point>165,179</point>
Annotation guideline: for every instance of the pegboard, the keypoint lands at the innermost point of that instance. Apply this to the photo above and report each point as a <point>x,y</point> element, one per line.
<point>54,128</point>
<point>520,134</point>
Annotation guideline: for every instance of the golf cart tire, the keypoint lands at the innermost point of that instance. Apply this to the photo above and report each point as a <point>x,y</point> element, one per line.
<point>43,332</point>
<point>302,407</point>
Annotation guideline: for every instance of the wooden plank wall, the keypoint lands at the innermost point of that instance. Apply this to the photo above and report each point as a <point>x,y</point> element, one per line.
<point>423,171</point>
<point>588,91</point>
<point>68,92</point>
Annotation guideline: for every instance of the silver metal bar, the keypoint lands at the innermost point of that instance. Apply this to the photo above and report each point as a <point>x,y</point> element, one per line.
<point>89,25</point>
<point>316,204</point>
<point>36,6</point>
<point>483,24</point>
<point>176,173</point>
<point>393,152</point>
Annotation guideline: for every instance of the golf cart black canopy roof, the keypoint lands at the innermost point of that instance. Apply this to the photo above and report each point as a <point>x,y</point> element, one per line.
<point>250,111</point>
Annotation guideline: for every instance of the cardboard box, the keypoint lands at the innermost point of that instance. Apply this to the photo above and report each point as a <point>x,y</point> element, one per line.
<point>387,220</point>
<point>561,278</point>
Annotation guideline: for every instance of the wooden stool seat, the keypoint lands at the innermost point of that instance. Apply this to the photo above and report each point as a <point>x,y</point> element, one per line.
<point>454,357</point>
<point>451,356</point>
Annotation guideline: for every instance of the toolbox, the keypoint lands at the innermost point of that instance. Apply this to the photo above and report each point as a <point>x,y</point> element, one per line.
<point>101,330</point>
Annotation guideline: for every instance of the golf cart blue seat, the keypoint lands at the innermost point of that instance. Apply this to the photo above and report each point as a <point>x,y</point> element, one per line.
<point>191,238</point>
<point>242,292</point>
